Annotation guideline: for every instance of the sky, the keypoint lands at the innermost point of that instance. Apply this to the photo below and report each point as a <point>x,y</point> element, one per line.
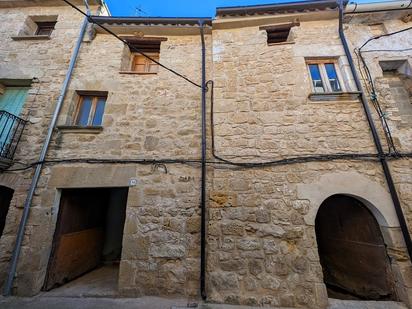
<point>180,8</point>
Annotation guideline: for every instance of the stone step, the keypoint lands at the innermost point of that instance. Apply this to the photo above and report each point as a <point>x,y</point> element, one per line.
<point>356,304</point>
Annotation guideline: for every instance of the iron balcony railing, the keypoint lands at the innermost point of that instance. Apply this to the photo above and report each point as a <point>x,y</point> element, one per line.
<point>11,130</point>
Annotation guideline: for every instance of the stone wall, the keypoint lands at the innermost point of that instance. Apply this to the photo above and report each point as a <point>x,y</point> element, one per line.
<point>261,238</point>
<point>146,117</point>
<point>46,60</point>
<point>261,242</point>
<point>391,48</point>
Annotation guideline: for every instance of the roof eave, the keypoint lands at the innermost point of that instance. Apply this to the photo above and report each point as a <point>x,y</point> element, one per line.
<point>278,8</point>
<point>170,21</point>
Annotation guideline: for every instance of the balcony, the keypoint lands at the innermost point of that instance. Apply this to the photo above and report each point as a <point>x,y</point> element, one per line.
<point>11,129</point>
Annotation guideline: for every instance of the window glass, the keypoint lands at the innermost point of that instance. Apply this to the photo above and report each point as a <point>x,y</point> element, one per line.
<point>333,77</point>
<point>316,78</point>
<point>98,114</point>
<point>84,111</point>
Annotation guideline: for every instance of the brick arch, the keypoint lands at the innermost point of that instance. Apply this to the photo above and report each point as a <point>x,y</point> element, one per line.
<point>372,194</point>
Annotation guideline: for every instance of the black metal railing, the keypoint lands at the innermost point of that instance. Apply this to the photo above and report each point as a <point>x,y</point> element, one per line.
<point>11,130</point>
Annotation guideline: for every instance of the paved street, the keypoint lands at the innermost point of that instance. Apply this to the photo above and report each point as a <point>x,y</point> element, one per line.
<point>46,302</point>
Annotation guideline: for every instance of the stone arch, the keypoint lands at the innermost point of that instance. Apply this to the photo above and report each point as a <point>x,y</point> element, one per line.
<point>372,194</point>
<point>377,199</point>
<point>11,181</point>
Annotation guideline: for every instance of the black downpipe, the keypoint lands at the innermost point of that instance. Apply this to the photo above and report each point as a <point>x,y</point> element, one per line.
<point>384,163</point>
<point>203,184</point>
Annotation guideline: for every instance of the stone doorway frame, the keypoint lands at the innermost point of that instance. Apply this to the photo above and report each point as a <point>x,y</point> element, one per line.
<point>377,199</point>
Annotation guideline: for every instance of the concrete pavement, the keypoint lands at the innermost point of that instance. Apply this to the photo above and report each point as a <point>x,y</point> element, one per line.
<point>51,302</point>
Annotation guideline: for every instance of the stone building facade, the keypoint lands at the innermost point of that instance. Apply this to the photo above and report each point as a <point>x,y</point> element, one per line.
<point>37,65</point>
<point>143,158</point>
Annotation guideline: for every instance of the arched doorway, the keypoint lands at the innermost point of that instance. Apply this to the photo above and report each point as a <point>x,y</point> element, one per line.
<point>6,195</point>
<point>352,251</point>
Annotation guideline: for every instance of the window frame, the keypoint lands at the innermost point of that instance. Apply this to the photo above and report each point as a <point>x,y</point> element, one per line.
<point>92,112</point>
<point>45,25</point>
<point>147,62</point>
<point>324,75</point>
<point>278,28</point>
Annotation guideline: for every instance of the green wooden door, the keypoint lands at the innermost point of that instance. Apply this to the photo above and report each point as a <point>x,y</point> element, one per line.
<point>11,101</point>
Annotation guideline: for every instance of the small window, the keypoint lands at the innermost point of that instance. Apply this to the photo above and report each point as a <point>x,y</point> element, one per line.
<point>45,27</point>
<point>324,76</point>
<point>142,64</point>
<point>134,62</point>
<point>278,33</point>
<point>38,27</point>
<point>90,110</point>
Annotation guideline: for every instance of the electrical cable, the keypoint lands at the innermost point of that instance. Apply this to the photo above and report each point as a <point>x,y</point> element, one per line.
<point>221,163</point>
<point>386,50</point>
<point>299,159</point>
<point>376,139</point>
<point>132,47</point>
<point>371,87</point>
<point>381,36</point>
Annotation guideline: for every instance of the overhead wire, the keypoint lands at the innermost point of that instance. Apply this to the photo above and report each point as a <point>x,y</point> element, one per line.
<point>291,160</point>
<point>221,162</point>
<point>370,86</point>
<point>131,46</point>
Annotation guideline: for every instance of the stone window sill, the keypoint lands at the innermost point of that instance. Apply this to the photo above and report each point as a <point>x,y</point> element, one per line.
<point>137,73</point>
<point>334,96</point>
<point>30,37</point>
<point>281,43</point>
<point>80,129</point>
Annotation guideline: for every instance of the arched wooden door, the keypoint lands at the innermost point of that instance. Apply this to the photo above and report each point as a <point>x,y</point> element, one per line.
<point>352,252</point>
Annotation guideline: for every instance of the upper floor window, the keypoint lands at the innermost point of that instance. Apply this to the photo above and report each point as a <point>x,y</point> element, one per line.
<point>325,76</point>
<point>45,27</point>
<point>134,62</point>
<point>37,27</point>
<point>142,64</point>
<point>280,33</point>
<point>90,110</point>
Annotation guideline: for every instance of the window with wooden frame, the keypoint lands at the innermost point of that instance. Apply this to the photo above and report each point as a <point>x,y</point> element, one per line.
<point>45,27</point>
<point>325,76</point>
<point>142,64</point>
<point>138,63</point>
<point>90,110</point>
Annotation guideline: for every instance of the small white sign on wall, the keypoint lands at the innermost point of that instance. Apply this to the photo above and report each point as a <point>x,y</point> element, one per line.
<point>132,182</point>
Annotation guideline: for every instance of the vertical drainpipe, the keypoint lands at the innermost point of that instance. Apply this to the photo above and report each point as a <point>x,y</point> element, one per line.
<point>26,210</point>
<point>384,162</point>
<point>203,181</point>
